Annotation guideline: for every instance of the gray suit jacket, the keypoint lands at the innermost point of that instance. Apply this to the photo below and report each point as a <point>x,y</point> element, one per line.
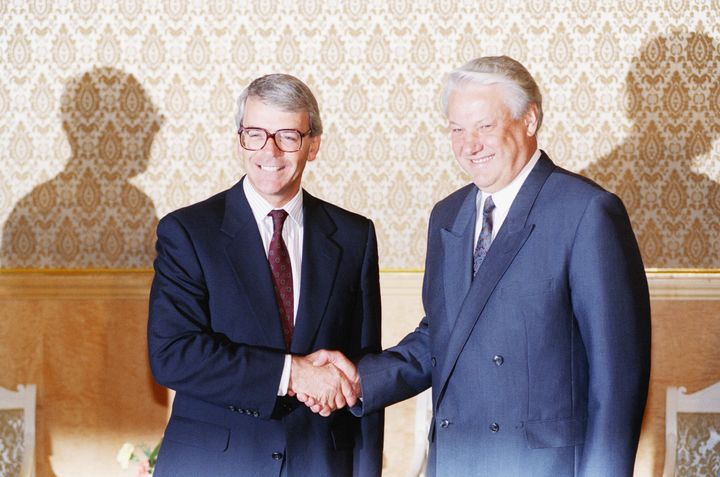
<point>540,365</point>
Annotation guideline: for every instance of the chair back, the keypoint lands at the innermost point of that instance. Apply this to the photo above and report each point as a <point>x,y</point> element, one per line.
<point>692,432</point>
<point>17,431</point>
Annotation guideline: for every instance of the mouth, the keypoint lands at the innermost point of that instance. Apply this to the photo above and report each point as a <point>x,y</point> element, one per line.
<point>483,159</point>
<point>270,168</point>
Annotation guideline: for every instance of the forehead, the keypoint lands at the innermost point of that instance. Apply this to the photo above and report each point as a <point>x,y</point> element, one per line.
<point>259,113</point>
<point>473,101</point>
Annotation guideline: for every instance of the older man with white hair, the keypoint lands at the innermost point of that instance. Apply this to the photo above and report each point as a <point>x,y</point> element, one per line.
<point>536,335</point>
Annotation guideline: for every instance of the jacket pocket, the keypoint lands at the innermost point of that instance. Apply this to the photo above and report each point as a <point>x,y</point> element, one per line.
<point>197,434</point>
<point>555,432</point>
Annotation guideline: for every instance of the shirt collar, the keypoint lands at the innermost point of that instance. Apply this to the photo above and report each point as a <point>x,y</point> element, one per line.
<point>261,208</point>
<point>504,198</point>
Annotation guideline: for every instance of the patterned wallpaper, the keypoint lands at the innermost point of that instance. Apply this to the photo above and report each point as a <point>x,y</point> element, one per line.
<point>114,113</point>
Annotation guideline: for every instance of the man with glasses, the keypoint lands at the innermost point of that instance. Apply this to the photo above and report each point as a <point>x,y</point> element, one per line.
<point>247,284</point>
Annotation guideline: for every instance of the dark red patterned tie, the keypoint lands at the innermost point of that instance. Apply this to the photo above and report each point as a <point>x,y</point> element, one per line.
<point>282,274</point>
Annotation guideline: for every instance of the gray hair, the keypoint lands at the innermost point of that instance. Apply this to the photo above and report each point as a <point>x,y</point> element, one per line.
<point>285,92</point>
<point>521,90</point>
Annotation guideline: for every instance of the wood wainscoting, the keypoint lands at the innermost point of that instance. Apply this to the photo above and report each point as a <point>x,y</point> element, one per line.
<point>80,336</point>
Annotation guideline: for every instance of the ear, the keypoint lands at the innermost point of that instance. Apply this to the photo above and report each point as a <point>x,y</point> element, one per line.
<point>314,147</point>
<point>531,120</point>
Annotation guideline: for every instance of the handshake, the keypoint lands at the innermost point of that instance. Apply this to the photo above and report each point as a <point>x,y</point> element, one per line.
<point>324,381</point>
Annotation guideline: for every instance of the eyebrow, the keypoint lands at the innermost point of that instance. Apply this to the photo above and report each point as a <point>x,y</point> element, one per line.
<point>480,121</point>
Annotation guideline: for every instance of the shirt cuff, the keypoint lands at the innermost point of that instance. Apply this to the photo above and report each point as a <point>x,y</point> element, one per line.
<point>285,377</point>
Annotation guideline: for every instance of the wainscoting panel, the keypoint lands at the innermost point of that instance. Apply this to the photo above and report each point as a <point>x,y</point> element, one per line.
<point>80,336</point>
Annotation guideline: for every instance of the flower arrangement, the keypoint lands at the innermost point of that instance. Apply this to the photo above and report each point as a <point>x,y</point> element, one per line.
<point>146,458</point>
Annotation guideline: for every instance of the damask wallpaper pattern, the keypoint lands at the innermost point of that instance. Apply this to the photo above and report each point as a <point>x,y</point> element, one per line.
<point>115,113</point>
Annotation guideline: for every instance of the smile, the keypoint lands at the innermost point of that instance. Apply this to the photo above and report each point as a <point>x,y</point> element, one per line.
<point>270,168</point>
<point>482,160</point>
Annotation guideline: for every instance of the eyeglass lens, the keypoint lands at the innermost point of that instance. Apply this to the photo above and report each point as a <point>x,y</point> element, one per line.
<point>287,140</point>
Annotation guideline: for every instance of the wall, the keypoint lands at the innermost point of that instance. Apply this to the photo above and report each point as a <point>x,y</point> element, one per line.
<point>115,113</point>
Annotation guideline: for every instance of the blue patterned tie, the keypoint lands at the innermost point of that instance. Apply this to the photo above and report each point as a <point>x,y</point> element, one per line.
<point>483,243</point>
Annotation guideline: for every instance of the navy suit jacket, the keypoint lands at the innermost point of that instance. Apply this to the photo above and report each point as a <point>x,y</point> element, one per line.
<point>214,336</point>
<point>539,365</point>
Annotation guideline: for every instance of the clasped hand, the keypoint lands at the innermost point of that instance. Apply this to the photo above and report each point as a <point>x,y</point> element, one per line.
<point>324,381</point>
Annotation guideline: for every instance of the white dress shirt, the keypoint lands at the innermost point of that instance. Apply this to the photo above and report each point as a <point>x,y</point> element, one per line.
<point>503,199</point>
<point>292,234</point>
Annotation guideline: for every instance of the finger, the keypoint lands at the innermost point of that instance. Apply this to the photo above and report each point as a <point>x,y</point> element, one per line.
<point>327,401</point>
<point>348,392</point>
<point>302,397</point>
<point>316,408</point>
<point>320,358</point>
<point>325,412</point>
<point>339,401</point>
<point>290,393</point>
<point>345,365</point>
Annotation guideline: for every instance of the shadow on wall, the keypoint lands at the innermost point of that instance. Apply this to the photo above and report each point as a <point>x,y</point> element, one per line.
<point>673,100</point>
<point>90,215</point>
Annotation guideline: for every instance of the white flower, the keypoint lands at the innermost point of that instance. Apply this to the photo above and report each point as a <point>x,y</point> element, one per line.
<point>125,454</point>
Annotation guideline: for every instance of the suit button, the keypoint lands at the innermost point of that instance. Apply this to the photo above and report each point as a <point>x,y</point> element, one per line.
<point>255,414</point>
<point>232,408</point>
<point>433,361</point>
<point>494,427</point>
<point>444,423</point>
<point>277,455</point>
<point>499,360</point>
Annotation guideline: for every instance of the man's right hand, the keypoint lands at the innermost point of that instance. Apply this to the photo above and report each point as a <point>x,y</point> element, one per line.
<point>325,381</point>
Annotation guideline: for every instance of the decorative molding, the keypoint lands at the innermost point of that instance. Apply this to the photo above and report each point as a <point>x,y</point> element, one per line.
<point>76,284</point>
<point>684,286</point>
<point>73,284</point>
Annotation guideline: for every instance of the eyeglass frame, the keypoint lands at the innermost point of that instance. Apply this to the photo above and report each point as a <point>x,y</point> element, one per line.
<point>269,135</point>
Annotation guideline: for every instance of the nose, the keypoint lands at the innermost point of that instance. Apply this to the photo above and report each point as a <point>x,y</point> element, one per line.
<point>472,142</point>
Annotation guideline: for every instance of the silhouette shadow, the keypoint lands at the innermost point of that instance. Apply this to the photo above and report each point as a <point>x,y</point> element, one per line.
<point>673,100</point>
<point>90,215</point>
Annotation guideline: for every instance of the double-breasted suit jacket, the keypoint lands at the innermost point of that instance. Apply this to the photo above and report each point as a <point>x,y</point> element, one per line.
<point>214,336</point>
<point>539,365</point>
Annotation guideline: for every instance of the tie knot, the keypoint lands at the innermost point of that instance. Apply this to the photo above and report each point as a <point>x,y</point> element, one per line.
<point>489,205</point>
<point>278,217</point>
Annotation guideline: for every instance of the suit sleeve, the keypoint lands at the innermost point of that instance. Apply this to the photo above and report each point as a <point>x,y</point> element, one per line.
<point>610,302</point>
<point>404,370</point>
<point>185,353</point>
<point>368,454</point>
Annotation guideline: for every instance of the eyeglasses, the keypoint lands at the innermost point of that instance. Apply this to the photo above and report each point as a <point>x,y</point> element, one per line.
<point>287,140</point>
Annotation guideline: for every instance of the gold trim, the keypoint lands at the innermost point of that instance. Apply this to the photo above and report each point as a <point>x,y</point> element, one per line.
<point>76,284</point>
<point>682,271</point>
<point>73,271</point>
<point>85,271</point>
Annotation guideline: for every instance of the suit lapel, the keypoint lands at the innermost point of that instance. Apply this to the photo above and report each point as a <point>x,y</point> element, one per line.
<point>244,250</point>
<point>508,242</point>
<point>320,262</point>
<point>457,249</point>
